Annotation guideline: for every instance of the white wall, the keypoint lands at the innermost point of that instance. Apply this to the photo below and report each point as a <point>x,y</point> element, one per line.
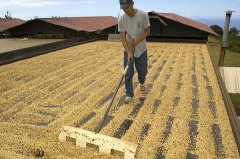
<point>231,78</point>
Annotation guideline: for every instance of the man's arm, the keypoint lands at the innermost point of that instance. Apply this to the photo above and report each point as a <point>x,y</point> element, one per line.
<point>125,45</point>
<point>142,37</point>
<point>124,41</point>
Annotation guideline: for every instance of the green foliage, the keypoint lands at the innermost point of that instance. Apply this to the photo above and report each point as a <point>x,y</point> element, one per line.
<point>234,43</point>
<point>233,32</point>
<point>234,40</point>
<point>236,102</point>
<point>217,29</point>
<point>233,37</point>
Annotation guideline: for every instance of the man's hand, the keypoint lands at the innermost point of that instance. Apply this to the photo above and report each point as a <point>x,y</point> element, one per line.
<point>130,57</point>
<point>134,43</point>
<point>142,37</point>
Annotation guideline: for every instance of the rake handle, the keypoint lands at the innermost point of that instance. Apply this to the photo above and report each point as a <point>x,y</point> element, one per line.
<point>110,104</point>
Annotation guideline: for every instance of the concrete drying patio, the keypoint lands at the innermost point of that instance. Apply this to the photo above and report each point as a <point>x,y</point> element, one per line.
<point>180,115</point>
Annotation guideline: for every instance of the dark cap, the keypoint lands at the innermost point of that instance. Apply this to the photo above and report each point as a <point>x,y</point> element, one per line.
<point>125,3</point>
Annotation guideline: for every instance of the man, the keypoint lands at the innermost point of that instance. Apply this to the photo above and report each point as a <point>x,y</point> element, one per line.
<point>134,27</point>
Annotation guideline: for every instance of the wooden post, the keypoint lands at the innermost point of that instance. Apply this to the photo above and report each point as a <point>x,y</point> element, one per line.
<point>222,56</point>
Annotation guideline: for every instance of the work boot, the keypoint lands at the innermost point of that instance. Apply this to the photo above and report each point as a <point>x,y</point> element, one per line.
<point>127,100</point>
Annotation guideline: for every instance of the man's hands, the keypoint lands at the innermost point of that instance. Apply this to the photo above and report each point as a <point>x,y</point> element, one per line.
<point>130,53</point>
<point>130,56</point>
<point>125,44</point>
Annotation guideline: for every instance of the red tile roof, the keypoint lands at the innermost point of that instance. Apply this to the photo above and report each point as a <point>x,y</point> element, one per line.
<point>89,24</point>
<point>9,23</point>
<point>186,21</point>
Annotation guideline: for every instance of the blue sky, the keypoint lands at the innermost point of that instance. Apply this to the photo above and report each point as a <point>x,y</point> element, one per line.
<point>194,9</point>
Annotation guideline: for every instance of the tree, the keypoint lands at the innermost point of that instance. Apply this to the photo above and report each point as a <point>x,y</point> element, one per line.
<point>234,40</point>
<point>217,29</point>
<point>233,32</point>
<point>234,44</point>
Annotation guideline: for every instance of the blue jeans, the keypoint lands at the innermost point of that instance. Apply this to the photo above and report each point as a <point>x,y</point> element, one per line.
<point>141,64</point>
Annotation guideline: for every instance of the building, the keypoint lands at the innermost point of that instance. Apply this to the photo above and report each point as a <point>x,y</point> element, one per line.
<point>163,26</point>
<point>68,27</point>
<point>173,26</point>
<point>9,23</point>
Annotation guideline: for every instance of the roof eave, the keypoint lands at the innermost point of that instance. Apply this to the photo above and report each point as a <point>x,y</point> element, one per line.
<point>159,14</point>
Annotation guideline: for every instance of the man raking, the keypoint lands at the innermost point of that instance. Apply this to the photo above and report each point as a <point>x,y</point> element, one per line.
<point>134,27</point>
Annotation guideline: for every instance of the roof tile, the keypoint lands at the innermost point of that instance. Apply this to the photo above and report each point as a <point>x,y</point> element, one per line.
<point>9,23</point>
<point>84,23</point>
<point>186,21</point>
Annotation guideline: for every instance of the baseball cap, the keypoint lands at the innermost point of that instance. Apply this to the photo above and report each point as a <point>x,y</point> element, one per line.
<point>125,3</point>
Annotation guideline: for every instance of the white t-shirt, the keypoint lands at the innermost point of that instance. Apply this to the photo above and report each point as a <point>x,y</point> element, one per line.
<point>134,28</point>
